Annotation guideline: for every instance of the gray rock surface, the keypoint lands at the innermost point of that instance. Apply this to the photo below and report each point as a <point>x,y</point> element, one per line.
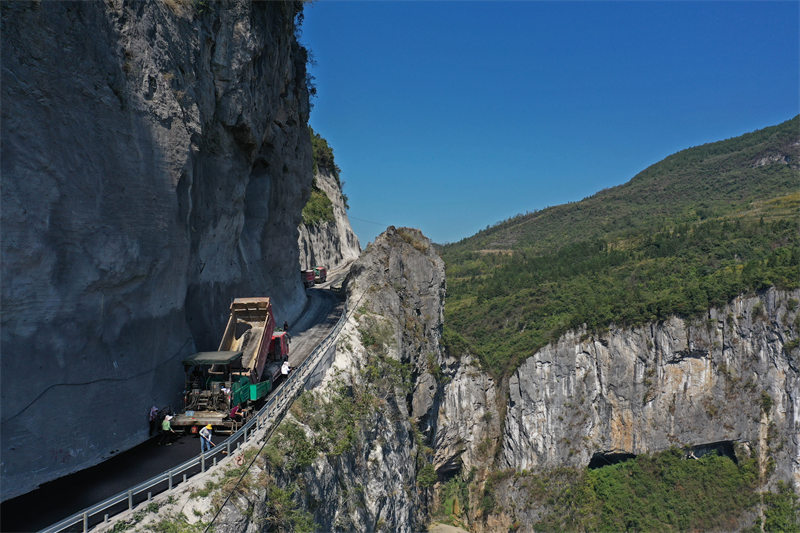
<point>330,244</point>
<point>396,291</point>
<point>155,162</point>
<point>669,384</point>
<point>399,283</point>
<point>732,376</point>
<point>468,418</point>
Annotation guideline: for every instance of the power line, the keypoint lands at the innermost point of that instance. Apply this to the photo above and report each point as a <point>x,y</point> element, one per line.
<point>369,221</point>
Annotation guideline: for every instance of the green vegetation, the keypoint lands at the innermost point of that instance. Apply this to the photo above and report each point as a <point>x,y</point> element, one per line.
<point>177,524</point>
<point>662,492</point>
<point>689,233</point>
<point>426,476</point>
<point>781,510</point>
<point>319,208</point>
<point>453,502</point>
<point>323,155</point>
<point>336,418</point>
<point>284,515</point>
<point>659,492</point>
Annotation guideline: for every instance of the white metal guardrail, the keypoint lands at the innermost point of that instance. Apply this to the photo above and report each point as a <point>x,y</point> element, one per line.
<point>268,414</point>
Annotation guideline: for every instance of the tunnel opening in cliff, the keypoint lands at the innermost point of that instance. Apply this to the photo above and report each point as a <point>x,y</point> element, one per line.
<point>723,448</point>
<point>601,459</point>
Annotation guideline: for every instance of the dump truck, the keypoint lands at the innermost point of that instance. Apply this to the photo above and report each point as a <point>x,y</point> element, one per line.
<point>240,373</point>
<point>307,277</point>
<point>320,274</point>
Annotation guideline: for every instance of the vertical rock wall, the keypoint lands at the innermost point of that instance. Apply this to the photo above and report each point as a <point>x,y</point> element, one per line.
<point>724,378</point>
<point>730,377</point>
<point>397,284</point>
<point>155,161</point>
<point>384,359</point>
<point>329,244</point>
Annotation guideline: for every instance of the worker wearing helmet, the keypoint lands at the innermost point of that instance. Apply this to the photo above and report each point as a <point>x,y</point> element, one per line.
<point>205,439</point>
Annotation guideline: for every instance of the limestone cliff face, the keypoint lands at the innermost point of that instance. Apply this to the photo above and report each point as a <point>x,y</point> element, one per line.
<point>725,378</point>
<point>732,376</point>
<point>396,288</point>
<point>329,244</point>
<point>155,163</point>
<point>383,362</point>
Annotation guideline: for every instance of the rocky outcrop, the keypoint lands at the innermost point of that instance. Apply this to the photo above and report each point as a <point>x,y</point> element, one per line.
<point>396,295</point>
<point>727,377</point>
<point>383,371</point>
<point>469,418</point>
<point>155,163</point>
<point>727,382</point>
<point>333,243</point>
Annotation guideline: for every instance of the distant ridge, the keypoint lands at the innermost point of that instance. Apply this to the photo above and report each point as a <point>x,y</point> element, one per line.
<point>710,180</point>
<point>690,232</point>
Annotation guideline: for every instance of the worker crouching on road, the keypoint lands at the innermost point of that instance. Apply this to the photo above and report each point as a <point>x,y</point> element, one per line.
<point>166,432</point>
<point>205,439</point>
<point>235,414</point>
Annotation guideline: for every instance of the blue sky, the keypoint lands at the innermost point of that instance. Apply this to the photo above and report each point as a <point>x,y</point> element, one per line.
<point>451,116</point>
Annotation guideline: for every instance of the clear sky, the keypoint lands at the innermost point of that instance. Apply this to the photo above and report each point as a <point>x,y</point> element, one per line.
<point>451,116</point>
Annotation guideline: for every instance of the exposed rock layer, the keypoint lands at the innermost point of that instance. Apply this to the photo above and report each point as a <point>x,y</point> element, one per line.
<point>330,244</point>
<point>398,282</point>
<point>155,162</point>
<point>731,376</point>
<point>395,298</point>
<point>669,384</point>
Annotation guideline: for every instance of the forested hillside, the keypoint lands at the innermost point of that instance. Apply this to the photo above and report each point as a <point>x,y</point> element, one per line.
<point>688,233</point>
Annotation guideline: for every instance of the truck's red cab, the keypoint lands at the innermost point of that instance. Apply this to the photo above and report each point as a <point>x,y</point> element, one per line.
<point>320,274</point>
<point>308,277</point>
<point>278,353</point>
<point>279,346</point>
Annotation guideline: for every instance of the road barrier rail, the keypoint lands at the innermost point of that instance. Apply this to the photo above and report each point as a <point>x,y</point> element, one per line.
<point>271,412</point>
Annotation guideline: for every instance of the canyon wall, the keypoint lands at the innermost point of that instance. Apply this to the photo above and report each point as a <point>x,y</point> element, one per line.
<point>155,161</point>
<point>351,451</point>
<point>331,244</point>
<point>729,381</point>
<point>726,377</point>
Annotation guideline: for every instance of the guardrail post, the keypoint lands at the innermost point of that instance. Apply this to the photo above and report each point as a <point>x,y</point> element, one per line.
<point>245,434</point>
<point>228,448</point>
<point>105,518</point>
<point>184,478</point>
<point>149,495</point>
<point>202,462</point>
<point>85,522</point>
<point>215,461</point>
<point>170,480</point>
<point>130,500</point>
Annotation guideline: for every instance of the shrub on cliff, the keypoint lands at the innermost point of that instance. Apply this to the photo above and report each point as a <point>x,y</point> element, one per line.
<point>660,492</point>
<point>323,155</point>
<point>319,209</point>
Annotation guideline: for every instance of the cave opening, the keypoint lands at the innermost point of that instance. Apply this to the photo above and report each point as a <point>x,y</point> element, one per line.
<point>723,448</point>
<point>601,459</point>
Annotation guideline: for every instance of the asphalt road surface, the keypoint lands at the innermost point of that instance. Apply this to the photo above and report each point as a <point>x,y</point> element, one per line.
<point>65,496</point>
